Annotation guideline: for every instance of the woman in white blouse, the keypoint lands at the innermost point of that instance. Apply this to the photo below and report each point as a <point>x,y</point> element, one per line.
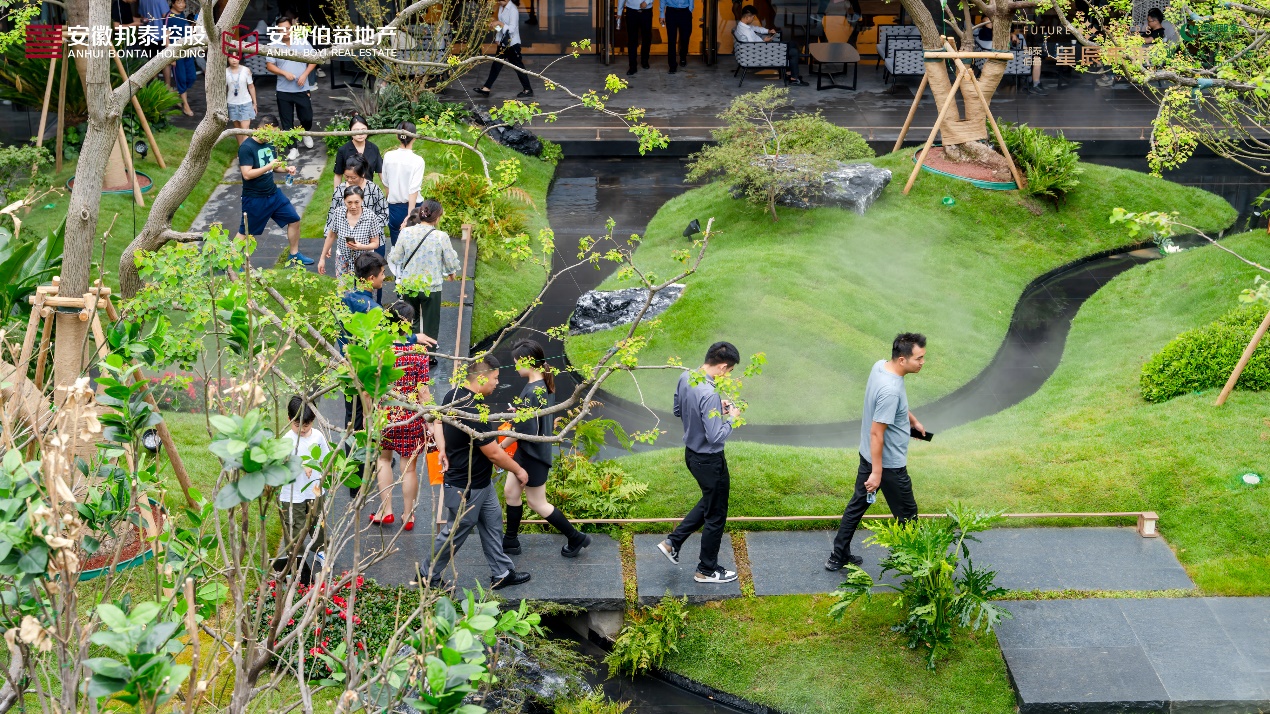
<point>507,35</point>
<point>402,175</point>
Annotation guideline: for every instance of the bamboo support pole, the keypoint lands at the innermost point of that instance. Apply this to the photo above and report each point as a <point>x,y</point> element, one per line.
<point>939,120</point>
<point>912,111</point>
<point>1243,360</point>
<point>987,110</point>
<point>44,107</point>
<point>41,359</point>
<point>61,108</point>
<point>132,171</point>
<point>141,116</point>
<point>458,331</point>
<point>28,342</point>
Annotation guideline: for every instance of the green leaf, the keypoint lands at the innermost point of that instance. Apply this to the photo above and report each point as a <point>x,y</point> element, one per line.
<point>109,668</point>
<point>251,485</point>
<point>223,424</point>
<point>35,560</point>
<point>114,618</point>
<point>228,497</point>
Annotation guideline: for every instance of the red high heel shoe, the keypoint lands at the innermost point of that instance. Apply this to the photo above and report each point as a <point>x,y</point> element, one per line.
<point>409,525</point>
<point>387,520</point>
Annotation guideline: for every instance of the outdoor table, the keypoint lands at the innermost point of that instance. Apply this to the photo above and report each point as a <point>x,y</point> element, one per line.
<point>870,9</point>
<point>823,53</point>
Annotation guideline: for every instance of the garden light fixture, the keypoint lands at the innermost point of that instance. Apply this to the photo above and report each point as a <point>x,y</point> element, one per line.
<point>693,228</point>
<point>150,440</point>
<point>141,148</point>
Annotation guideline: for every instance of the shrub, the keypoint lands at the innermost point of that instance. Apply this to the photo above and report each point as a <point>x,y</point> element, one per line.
<point>333,143</point>
<point>585,489</point>
<point>1050,164</point>
<point>1204,357</point>
<point>761,156</point>
<point>593,702</point>
<point>938,595</point>
<point>496,216</point>
<point>396,106</point>
<point>649,637</point>
<point>158,102</point>
<point>23,167</point>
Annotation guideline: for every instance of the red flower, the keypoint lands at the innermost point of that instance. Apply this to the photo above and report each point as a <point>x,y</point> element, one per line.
<point>328,610</point>
<point>290,622</point>
<point>357,620</point>
<point>315,651</point>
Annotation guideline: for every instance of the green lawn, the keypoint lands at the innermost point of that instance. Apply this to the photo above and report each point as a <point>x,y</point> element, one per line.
<point>1085,442</point>
<point>823,292</point>
<point>119,206</point>
<point>501,285</point>
<point>786,653</point>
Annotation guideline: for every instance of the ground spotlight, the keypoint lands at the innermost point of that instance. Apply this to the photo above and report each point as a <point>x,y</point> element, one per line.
<point>693,228</point>
<point>150,440</point>
<point>141,148</point>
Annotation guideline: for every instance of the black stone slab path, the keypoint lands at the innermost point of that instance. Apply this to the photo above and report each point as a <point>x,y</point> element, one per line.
<point>1153,655</point>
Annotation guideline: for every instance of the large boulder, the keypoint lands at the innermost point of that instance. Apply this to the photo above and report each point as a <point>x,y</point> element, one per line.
<point>851,186</point>
<point>513,137</point>
<point>601,309</point>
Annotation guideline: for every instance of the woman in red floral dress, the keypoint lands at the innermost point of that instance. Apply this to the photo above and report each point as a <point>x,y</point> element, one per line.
<point>408,439</point>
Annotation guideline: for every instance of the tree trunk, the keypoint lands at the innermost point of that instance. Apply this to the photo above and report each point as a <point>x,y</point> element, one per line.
<point>964,129</point>
<point>155,232</point>
<point>100,143</point>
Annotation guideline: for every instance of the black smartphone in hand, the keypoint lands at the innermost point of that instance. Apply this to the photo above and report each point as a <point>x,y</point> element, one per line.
<point>919,435</point>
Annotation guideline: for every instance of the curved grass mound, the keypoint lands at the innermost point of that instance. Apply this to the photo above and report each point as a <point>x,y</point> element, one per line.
<point>823,292</point>
<point>1203,358</point>
<point>1086,441</point>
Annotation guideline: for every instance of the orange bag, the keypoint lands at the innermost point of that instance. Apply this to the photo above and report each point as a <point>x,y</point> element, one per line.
<point>432,456</point>
<point>511,450</point>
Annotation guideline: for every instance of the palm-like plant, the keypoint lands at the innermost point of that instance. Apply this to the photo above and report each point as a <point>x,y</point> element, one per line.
<point>24,265</point>
<point>938,594</point>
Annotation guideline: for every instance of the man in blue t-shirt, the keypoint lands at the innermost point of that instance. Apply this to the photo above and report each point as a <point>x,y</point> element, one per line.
<point>885,428</point>
<point>262,200</point>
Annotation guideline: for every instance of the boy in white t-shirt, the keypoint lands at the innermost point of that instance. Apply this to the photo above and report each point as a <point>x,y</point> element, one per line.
<point>301,502</point>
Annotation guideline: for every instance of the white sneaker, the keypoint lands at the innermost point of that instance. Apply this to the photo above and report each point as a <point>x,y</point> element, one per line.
<point>308,142</point>
<point>719,577</point>
<point>320,556</point>
<point>293,154</point>
<point>321,73</point>
<point>671,554</point>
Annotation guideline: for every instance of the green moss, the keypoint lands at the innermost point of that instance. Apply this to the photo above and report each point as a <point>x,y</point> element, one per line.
<point>823,292</point>
<point>1086,441</point>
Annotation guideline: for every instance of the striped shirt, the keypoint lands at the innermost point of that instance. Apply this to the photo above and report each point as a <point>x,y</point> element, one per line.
<point>369,228</point>
<point>373,201</point>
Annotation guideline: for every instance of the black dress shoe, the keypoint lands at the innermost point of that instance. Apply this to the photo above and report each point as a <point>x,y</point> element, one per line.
<point>631,71</point>
<point>512,578</point>
<point>572,551</point>
<point>643,65</point>
<point>673,70</point>
<point>800,82</point>
<point>833,564</point>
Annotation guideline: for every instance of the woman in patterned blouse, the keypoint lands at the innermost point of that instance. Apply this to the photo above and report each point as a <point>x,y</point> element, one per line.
<point>350,229</point>
<point>408,438</point>
<point>356,169</point>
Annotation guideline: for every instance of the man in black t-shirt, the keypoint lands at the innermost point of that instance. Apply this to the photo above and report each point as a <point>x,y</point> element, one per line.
<point>469,497</point>
<point>262,200</point>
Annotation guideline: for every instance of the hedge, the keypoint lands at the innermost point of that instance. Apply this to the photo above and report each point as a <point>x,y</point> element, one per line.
<point>1203,358</point>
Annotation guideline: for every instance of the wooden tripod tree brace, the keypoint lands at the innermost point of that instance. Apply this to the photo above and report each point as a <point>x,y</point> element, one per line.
<point>934,130</point>
<point>61,108</point>
<point>141,116</point>
<point>44,107</point>
<point>1243,360</point>
<point>132,171</point>
<point>912,111</point>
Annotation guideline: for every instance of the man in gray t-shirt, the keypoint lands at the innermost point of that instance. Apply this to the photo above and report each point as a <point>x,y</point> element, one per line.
<point>295,82</point>
<point>885,427</point>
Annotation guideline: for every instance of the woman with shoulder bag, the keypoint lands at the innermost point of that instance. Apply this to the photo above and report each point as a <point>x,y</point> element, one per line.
<point>507,35</point>
<point>420,259</point>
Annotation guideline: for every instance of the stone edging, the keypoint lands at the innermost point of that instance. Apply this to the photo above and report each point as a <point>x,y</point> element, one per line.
<point>703,690</point>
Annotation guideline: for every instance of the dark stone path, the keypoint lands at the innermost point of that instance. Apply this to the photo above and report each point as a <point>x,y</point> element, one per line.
<point>1154,655</point>
<point>657,576</point>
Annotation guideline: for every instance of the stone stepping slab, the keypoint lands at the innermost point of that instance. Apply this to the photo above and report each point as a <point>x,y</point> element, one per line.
<point>792,562</point>
<point>656,574</point>
<point>1152,655</point>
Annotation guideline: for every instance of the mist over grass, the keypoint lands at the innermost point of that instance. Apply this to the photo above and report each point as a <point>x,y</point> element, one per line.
<point>823,292</point>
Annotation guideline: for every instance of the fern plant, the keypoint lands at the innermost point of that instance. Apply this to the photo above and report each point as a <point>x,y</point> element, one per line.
<point>593,702</point>
<point>939,599</point>
<point>1051,164</point>
<point>649,637</point>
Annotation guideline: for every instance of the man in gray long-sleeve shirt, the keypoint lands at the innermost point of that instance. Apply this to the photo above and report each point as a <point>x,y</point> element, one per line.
<point>707,422</point>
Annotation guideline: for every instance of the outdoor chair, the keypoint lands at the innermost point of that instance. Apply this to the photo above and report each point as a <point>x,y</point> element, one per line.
<point>756,56</point>
<point>904,58</point>
<point>886,33</point>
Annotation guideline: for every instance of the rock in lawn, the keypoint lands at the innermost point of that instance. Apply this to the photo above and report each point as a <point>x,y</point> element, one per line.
<point>601,309</point>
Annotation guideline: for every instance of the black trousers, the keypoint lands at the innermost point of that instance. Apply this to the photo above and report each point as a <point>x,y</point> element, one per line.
<point>793,58</point>
<point>711,472</point>
<point>678,31</point>
<point>896,487</point>
<point>298,102</point>
<point>511,54</point>
<point>639,31</point>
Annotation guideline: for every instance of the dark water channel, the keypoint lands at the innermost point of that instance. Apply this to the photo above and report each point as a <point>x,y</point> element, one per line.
<point>588,191</point>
